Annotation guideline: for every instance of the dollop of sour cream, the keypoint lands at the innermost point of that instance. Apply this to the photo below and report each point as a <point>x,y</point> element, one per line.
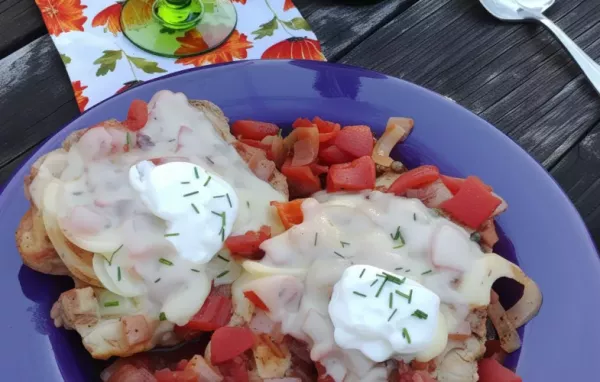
<point>382,314</point>
<point>199,207</point>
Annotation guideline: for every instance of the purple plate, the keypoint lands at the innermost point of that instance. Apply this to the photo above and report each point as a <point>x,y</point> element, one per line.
<point>550,240</point>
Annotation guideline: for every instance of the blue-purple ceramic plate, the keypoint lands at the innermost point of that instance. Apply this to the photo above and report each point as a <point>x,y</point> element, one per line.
<point>550,241</point>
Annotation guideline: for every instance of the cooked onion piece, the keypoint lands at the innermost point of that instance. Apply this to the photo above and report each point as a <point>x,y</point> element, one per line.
<point>397,130</point>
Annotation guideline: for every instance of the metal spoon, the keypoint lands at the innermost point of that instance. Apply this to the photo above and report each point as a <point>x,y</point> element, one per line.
<point>532,10</point>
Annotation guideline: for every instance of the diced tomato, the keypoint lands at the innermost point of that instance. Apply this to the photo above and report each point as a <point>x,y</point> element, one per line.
<point>248,244</point>
<point>327,130</point>
<point>355,140</point>
<point>229,342</point>
<point>215,313</point>
<point>454,184</point>
<point>318,169</point>
<point>493,349</point>
<point>413,179</point>
<point>354,176</point>
<point>473,204</point>
<point>253,129</point>
<point>167,375</point>
<point>491,371</point>
<point>255,143</point>
<point>137,116</point>
<point>130,373</point>
<point>322,373</point>
<point>181,364</point>
<point>235,370</point>
<point>302,122</point>
<point>290,213</point>
<point>253,297</point>
<point>301,180</point>
<point>333,155</point>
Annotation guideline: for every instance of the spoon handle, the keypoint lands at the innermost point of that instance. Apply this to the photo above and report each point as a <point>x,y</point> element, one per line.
<point>587,64</point>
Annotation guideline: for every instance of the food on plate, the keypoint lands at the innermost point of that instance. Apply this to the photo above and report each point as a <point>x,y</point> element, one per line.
<point>314,256</point>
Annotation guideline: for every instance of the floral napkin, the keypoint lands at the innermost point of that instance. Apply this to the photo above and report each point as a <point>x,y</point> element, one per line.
<point>101,61</point>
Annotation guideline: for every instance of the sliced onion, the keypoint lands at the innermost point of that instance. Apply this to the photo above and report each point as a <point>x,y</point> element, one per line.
<point>509,338</point>
<point>529,305</point>
<point>397,130</point>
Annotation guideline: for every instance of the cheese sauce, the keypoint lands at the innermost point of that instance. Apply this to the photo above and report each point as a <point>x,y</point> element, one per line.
<point>131,226</point>
<point>344,233</point>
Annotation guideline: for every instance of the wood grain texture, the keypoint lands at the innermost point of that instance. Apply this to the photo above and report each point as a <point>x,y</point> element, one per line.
<point>21,23</point>
<point>578,173</point>
<point>514,75</point>
<point>36,98</point>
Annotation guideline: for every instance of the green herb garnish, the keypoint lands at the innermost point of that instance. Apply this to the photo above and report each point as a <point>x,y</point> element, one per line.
<point>374,282</point>
<point>392,315</point>
<point>185,182</point>
<point>398,237</point>
<point>128,140</point>
<point>427,272</point>
<point>165,261</point>
<point>406,335</point>
<point>316,237</point>
<point>171,234</point>
<point>162,316</point>
<point>210,160</point>
<point>360,294</point>
<point>398,269</point>
<point>157,280</point>
<point>343,243</point>
<point>410,296</point>
<point>248,203</point>
<point>339,254</point>
<point>118,273</point>
<point>195,208</point>
<point>420,314</point>
<point>394,279</point>
<point>194,270</point>
<point>223,258</point>
<point>191,193</point>
<point>362,273</point>
<point>414,217</point>
<point>391,304</point>
<point>111,303</point>
<point>402,294</point>
<point>381,287</point>
<point>207,180</point>
<point>229,200</point>
<point>113,254</point>
<point>196,173</point>
<point>476,237</point>
<point>222,274</point>
<point>218,196</point>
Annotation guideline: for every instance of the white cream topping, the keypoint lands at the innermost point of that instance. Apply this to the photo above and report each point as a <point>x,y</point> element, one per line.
<point>382,314</point>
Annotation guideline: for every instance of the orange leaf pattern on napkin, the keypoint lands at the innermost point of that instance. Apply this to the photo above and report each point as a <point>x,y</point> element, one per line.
<point>62,15</point>
<point>88,36</point>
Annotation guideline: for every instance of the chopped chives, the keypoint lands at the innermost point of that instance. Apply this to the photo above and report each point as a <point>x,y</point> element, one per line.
<point>162,316</point>
<point>398,269</point>
<point>196,172</point>
<point>229,200</point>
<point>191,193</point>
<point>362,273</point>
<point>195,208</point>
<point>157,280</point>
<point>398,237</point>
<point>222,233</point>
<point>207,180</point>
<point>216,213</point>
<point>171,234</point>
<point>414,216</point>
<point>223,258</point>
<point>118,273</point>
<point>339,254</point>
<point>392,315</point>
<point>406,335</point>
<point>222,274</point>
<point>127,140</point>
<point>420,314</point>
<point>210,160</point>
<point>427,272</point>
<point>360,294</point>
<point>219,196</point>
<point>394,279</point>
<point>343,243</point>
<point>410,296</point>
<point>111,303</point>
<point>402,294</point>
<point>113,254</point>
<point>195,270</point>
<point>381,287</point>
<point>408,270</point>
<point>165,261</point>
<point>374,282</point>
<point>248,203</point>
<point>185,182</point>
<point>476,237</point>
<point>391,304</point>
<point>316,237</point>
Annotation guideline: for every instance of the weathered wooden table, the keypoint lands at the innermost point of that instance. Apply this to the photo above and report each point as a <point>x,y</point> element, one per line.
<point>513,75</point>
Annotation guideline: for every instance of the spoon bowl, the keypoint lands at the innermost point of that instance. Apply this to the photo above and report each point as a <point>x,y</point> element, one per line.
<point>512,10</point>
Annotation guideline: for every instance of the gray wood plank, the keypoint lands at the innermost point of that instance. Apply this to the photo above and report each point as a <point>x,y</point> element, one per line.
<point>578,173</point>
<point>516,76</point>
<point>21,23</point>
<point>36,98</point>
